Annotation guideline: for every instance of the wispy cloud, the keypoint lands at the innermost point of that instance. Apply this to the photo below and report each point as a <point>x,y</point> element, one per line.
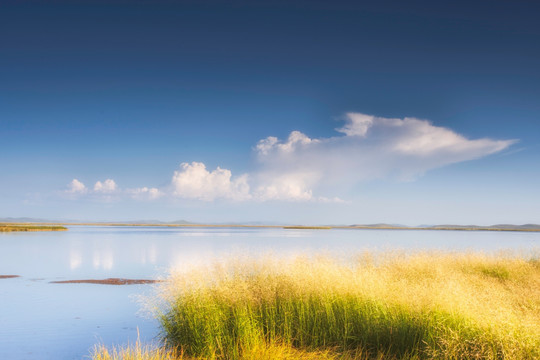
<point>371,148</point>
<point>301,168</point>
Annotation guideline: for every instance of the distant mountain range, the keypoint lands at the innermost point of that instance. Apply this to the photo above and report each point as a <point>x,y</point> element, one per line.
<point>25,220</point>
<point>380,225</point>
<point>136,222</point>
<point>497,226</point>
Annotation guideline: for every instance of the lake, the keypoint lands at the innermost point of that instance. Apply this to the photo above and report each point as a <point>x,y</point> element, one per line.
<point>43,320</point>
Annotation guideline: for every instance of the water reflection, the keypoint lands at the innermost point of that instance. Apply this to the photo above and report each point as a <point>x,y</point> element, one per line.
<point>103,259</point>
<point>144,252</point>
<point>75,259</point>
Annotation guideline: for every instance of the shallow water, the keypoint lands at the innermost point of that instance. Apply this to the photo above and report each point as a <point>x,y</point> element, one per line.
<point>40,320</point>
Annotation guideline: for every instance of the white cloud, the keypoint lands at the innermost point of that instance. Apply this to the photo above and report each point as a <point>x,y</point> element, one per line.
<point>372,147</point>
<point>102,190</point>
<point>145,193</point>
<point>296,139</point>
<point>193,181</point>
<point>358,124</point>
<point>106,187</point>
<point>76,187</point>
<point>301,168</point>
<point>293,186</point>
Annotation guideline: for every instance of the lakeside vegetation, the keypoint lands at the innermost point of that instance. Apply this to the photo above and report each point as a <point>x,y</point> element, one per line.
<point>388,306</point>
<point>26,227</point>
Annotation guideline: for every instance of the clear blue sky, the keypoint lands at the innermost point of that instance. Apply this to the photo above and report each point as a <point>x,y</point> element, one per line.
<point>314,111</point>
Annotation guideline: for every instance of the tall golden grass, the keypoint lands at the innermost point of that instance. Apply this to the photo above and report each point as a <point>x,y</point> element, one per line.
<point>389,306</point>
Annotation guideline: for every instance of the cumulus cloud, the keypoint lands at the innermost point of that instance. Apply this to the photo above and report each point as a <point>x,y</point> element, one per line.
<point>106,187</point>
<point>103,190</point>
<point>358,124</point>
<point>76,187</point>
<point>145,193</point>
<point>371,147</point>
<point>293,186</point>
<point>301,168</point>
<point>194,181</point>
<point>296,139</point>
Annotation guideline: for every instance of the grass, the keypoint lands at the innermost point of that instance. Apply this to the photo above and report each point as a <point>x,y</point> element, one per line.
<point>135,352</point>
<point>18,227</point>
<point>392,306</point>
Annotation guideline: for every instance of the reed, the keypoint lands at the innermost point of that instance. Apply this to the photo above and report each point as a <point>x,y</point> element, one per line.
<point>137,351</point>
<point>383,306</point>
<point>422,306</point>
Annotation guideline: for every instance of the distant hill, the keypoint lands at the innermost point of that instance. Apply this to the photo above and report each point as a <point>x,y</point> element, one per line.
<point>521,227</point>
<point>253,223</point>
<point>380,225</point>
<point>146,222</point>
<point>492,227</point>
<point>451,227</point>
<point>133,222</point>
<point>25,220</point>
<point>180,222</point>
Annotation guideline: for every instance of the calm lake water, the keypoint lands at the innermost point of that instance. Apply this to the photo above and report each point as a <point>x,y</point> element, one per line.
<point>41,320</point>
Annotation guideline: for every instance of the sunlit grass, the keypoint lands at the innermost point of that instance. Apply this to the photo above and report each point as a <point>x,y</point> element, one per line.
<point>135,352</point>
<point>266,352</point>
<point>392,306</point>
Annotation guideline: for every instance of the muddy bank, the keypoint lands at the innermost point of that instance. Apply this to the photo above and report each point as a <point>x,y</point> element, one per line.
<point>109,281</point>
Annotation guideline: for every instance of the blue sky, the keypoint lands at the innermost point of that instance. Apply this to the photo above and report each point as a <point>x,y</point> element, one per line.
<point>314,111</point>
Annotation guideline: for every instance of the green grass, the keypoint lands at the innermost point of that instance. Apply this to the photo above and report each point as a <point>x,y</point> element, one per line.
<point>422,306</point>
<point>20,227</point>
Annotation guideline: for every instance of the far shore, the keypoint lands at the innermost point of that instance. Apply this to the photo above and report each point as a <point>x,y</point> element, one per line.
<point>61,226</point>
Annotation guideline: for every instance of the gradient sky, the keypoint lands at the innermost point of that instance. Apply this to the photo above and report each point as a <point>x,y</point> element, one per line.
<point>284,111</point>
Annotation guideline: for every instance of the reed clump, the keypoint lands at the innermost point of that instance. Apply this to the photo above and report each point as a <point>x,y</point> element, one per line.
<point>392,306</point>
